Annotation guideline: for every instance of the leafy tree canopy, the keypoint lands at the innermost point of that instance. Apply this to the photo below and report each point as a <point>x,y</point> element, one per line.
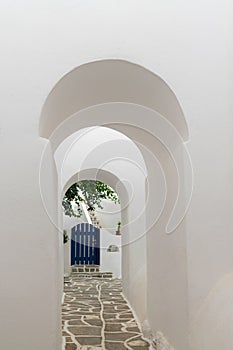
<point>90,192</point>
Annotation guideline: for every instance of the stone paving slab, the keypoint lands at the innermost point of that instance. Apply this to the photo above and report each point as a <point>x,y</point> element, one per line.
<point>96,316</point>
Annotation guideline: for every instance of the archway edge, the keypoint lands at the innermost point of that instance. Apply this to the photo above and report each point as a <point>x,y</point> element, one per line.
<point>107,81</point>
<point>101,175</point>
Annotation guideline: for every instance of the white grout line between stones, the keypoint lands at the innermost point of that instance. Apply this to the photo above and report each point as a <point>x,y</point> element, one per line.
<point>99,289</point>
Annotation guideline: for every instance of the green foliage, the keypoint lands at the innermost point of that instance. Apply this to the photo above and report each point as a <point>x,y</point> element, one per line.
<point>65,237</point>
<point>72,197</point>
<point>93,193</point>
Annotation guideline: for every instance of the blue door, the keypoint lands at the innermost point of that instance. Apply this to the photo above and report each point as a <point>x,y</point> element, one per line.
<point>85,245</point>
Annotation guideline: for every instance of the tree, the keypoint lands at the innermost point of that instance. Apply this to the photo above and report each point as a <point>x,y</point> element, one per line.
<point>90,192</point>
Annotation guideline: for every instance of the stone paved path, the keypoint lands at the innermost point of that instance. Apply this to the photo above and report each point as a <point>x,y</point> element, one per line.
<point>95,316</point>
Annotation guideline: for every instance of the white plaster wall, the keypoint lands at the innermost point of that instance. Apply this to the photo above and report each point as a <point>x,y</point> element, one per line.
<point>110,261</point>
<point>186,43</point>
<point>214,315</point>
<point>67,257</point>
<point>71,221</point>
<point>109,216</point>
<point>29,252</point>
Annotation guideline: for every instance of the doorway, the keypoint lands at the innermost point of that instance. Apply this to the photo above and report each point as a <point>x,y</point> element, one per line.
<point>85,245</point>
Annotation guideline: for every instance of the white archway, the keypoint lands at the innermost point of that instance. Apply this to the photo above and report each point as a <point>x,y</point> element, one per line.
<point>120,157</point>
<point>108,81</point>
<point>106,238</point>
<point>128,98</point>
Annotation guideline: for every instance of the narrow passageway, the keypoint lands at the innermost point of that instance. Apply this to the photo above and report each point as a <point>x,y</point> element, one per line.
<point>95,315</point>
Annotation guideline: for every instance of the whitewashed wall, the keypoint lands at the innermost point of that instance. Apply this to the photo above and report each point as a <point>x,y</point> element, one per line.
<point>188,44</point>
<point>110,261</point>
<point>109,216</point>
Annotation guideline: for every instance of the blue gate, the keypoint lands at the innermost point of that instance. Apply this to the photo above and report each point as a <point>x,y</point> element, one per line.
<point>85,245</point>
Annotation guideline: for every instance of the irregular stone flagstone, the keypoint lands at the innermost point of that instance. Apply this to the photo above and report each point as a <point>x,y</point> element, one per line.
<point>96,316</point>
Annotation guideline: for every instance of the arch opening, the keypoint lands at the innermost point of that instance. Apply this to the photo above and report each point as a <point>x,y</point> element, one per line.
<point>102,222</point>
